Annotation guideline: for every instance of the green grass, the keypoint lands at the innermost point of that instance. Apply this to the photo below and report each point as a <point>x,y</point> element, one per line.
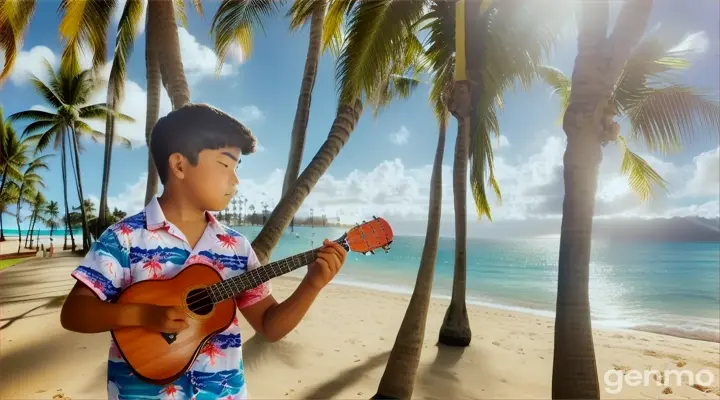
<point>12,261</point>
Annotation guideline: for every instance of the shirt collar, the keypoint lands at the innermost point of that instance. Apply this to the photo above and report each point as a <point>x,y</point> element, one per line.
<point>155,218</point>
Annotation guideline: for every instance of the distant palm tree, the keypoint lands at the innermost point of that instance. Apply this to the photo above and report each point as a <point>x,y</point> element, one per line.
<point>38,207</point>
<point>68,93</point>
<point>26,188</point>
<point>52,214</point>
<point>13,157</point>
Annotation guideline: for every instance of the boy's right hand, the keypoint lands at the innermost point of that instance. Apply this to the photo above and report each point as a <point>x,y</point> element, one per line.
<point>163,319</point>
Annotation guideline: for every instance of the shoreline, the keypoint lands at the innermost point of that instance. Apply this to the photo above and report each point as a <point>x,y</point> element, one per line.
<point>700,334</point>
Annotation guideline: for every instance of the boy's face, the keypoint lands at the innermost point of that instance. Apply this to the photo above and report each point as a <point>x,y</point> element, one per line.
<point>213,181</point>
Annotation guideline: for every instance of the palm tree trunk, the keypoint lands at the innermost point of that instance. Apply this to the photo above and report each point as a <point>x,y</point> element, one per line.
<point>165,43</point>
<point>398,380</point>
<point>109,136</point>
<point>2,187</point>
<point>152,112</point>
<point>455,329</point>
<point>37,240</point>
<point>75,150</point>
<point>302,113</point>
<point>345,121</point>
<point>597,67</point>
<point>68,228</point>
<point>29,234</point>
<point>17,218</point>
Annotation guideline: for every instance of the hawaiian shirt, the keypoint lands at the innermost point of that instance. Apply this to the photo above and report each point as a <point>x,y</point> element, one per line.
<point>147,246</point>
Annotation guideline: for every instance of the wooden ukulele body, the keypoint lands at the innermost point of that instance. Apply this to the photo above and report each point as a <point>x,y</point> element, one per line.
<point>162,359</point>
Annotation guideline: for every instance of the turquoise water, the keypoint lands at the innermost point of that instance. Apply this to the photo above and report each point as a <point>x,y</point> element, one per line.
<point>663,287</point>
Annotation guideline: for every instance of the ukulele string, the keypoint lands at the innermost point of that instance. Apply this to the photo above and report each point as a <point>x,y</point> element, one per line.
<point>207,293</point>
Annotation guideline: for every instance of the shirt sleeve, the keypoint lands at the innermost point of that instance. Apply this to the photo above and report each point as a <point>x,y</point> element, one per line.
<point>258,293</point>
<point>102,269</point>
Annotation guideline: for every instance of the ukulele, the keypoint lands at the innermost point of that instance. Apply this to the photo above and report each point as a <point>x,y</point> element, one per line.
<point>161,358</point>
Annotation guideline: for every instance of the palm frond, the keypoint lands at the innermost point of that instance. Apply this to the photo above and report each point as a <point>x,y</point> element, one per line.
<point>130,20</point>
<point>641,176</point>
<point>180,13</point>
<point>560,84</point>
<point>33,115</point>
<point>301,11</point>
<point>36,126</point>
<point>663,118</point>
<point>376,30</point>
<point>84,23</point>
<point>333,28</point>
<point>15,15</point>
<point>651,63</point>
<point>234,22</point>
<point>101,111</point>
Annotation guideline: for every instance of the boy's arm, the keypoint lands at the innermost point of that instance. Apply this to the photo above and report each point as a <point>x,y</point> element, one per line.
<point>274,320</point>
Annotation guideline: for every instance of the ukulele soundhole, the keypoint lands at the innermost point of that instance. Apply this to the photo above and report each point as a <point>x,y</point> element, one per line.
<point>199,301</point>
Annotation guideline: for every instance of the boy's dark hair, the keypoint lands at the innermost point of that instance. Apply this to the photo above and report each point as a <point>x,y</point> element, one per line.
<point>193,128</point>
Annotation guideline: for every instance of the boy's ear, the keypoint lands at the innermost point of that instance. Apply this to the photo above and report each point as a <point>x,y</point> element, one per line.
<point>177,163</point>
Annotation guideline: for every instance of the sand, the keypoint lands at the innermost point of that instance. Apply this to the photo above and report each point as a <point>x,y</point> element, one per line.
<point>340,349</point>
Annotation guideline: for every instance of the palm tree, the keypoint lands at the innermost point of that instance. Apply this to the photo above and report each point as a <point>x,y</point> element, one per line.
<point>13,157</point>
<point>391,84</point>
<point>26,187</point>
<point>52,214</point>
<point>398,380</point>
<point>599,67</point>
<point>509,41</point>
<point>68,93</point>
<point>659,111</point>
<point>8,197</point>
<point>37,204</point>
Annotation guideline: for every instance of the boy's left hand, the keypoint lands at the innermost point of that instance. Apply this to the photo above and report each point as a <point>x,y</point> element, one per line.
<point>330,258</point>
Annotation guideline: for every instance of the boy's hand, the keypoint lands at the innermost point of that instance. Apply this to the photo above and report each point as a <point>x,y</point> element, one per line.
<point>163,319</point>
<point>330,258</point>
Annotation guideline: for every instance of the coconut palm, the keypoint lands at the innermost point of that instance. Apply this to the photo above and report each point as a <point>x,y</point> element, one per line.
<point>660,112</point>
<point>235,21</point>
<point>52,214</point>
<point>68,93</point>
<point>600,66</point>
<point>13,157</point>
<point>26,188</point>
<point>37,205</point>
<point>398,379</point>
<point>392,84</point>
<point>8,197</point>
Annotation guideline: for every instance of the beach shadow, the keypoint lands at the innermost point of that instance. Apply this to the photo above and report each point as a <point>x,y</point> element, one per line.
<point>442,368</point>
<point>54,302</point>
<point>24,361</point>
<point>346,378</point>
<point>257,351</point>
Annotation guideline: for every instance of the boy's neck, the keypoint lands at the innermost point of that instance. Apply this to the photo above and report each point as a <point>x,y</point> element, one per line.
<point>180,211</point>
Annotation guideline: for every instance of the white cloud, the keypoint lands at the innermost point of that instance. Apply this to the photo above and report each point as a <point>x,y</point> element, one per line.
<point>131,199</point>
<point>696,43</point>
<point>199,61</point>
<point>501,143</point>
<point>705,180</point>
<point>400,136</point>
<point>248,114</point>
<point>30,63</point>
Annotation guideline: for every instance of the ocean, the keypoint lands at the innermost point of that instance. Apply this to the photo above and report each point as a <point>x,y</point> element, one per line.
<point>671,288</point>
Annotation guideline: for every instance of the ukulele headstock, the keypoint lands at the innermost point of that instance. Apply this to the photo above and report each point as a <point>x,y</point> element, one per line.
<point>368,236</point>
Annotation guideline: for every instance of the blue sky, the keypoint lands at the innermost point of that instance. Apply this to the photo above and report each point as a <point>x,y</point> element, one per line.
<point>385,167</point>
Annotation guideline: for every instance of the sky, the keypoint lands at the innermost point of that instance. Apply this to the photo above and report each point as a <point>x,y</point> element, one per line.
<point>385,168</point>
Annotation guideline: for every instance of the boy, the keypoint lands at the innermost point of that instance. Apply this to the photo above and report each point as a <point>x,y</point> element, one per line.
<point>196,150</point>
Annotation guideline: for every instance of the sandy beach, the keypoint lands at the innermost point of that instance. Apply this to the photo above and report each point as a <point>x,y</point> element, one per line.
<point>340,349</point>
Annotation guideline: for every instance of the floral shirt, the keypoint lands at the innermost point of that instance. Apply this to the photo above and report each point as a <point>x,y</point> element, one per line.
<point>147,246</point>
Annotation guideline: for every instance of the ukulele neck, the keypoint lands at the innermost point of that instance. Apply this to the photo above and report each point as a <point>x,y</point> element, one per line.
<point>232,287</point>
